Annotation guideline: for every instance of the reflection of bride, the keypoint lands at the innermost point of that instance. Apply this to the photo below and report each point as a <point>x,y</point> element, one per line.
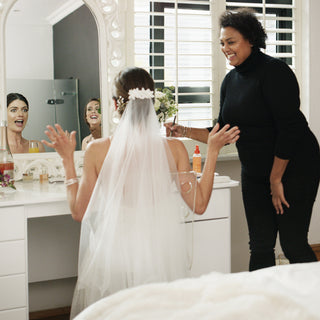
<point>132,231</point>
<point>92,116</point>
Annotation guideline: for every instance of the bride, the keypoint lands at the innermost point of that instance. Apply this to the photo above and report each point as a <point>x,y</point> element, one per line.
<point>128,197</point>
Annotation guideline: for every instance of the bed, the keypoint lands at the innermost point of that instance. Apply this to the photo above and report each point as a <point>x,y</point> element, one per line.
<point>290,292</point>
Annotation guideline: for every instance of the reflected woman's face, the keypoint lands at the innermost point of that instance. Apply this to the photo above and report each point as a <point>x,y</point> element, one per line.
<point>93,115</point>
<point>17,112</point>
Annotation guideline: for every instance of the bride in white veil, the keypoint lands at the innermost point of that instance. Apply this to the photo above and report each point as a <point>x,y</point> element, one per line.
<point>128,199</point>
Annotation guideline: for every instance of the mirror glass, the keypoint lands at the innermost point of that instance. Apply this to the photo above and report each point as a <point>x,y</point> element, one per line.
<point>52,59</point>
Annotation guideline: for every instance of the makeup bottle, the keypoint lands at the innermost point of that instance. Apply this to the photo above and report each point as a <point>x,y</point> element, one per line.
<point>196,161</point>
<point>43,176</point>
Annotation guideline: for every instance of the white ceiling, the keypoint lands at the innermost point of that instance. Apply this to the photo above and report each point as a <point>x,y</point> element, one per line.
<point>41,11</point>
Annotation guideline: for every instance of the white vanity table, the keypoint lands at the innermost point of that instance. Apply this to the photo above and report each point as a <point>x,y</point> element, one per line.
<point>32,200</point>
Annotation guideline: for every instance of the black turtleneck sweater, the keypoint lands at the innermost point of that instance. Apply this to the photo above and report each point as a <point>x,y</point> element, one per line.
<point>261,97</point>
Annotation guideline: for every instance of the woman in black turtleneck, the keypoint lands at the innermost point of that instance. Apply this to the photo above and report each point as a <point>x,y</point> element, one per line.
<point>279,155</point>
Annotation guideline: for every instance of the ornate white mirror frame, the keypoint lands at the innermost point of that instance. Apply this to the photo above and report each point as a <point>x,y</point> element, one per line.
<point>109,16</point>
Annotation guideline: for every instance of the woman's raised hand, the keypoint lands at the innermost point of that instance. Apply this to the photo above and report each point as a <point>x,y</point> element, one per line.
<point>226,135</point>
<point>62,141</point>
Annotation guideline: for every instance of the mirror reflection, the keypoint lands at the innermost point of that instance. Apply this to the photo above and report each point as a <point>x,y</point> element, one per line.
<point>18,113</point>
<point>52,59</point>
<point>92,113</point>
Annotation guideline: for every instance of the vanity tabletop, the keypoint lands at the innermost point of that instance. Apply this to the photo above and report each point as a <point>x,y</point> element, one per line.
<point>34,192</point>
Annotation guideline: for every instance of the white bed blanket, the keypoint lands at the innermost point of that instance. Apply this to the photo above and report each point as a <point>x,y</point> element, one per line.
<point>287,292</point>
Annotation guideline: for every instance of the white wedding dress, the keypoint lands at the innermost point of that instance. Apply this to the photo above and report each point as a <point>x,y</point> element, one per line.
<point>133,232</point>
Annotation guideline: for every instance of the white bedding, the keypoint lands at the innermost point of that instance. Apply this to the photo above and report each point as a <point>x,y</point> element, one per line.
<point>290,292</point>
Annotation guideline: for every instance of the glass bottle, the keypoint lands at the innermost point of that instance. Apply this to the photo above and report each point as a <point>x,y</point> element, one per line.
<point>6,161</point>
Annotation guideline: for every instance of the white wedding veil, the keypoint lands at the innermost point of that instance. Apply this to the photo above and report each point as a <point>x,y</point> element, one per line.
<point>133,231</point>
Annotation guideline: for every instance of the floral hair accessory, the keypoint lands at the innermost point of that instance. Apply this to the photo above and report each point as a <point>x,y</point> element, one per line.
<point>121,103</point>
<point>140,94</point>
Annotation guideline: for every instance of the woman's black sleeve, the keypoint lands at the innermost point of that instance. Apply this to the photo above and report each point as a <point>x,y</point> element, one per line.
<point>281,93</point>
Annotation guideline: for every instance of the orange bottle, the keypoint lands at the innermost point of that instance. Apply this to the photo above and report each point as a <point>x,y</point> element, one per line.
<point>196,163</point>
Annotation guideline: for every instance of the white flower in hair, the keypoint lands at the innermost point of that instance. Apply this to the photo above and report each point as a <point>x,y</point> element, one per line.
<point>140,94</point>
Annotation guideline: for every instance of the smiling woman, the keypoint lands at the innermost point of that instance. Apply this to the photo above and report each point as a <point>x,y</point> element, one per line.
<point>17,112</point>
<point>92,115</point>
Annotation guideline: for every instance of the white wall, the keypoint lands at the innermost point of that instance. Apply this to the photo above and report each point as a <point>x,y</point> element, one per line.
<point>29,52</point>
<point>314,98</point>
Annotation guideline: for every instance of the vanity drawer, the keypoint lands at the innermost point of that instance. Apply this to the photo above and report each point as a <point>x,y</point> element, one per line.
<point>12,225</point>
<point>15,314</point>
<point>209,246</point>
<point>218,206</point>
<point>13,292</point>
<point>13,258</point>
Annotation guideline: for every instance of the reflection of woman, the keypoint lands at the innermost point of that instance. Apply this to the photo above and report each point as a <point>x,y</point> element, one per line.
<point>93,119</point>
<point>17,113</point>
<point>279,154</point>
<point>131,217</point>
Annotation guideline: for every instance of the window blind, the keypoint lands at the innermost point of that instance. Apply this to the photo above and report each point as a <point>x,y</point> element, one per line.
<point>173,41</point>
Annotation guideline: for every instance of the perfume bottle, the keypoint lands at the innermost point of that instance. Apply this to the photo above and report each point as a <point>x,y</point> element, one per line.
<point>6,160</point>
<point>43,176</point>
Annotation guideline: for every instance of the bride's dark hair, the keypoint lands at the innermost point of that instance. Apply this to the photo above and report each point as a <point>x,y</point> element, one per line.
<point>130,78</point>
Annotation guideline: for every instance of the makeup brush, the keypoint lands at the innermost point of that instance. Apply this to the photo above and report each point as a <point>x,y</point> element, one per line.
<point>173,123</point>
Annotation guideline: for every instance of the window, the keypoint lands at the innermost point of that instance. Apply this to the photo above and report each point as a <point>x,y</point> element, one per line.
<point>173,40</point>
<point>177,42</point>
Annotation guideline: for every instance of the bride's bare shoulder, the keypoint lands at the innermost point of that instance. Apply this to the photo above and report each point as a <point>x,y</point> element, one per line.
<point>96,152</point>
<point>99,147</point>
<point>175,143</point>
<point>177,147</point>
<point>180,154</point>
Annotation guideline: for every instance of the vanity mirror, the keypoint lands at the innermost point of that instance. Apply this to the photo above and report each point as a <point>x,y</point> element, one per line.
<point>56,44</point>
<point>111,57</point>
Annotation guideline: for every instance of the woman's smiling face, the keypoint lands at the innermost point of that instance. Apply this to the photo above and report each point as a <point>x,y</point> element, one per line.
<point>17,112</point>
<point>93,113</point>
<point>234,46</point>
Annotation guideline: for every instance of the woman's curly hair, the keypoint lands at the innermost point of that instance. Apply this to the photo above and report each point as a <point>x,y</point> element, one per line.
<point>245,21</point>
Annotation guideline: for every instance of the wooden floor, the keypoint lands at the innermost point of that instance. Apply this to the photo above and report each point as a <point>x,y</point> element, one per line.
<point>54,314</point>
<point>63,317</point>
<point>316,249</point>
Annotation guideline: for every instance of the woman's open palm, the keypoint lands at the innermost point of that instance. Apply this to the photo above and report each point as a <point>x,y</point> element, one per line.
<point>62,141</point>
<point>226,135</point>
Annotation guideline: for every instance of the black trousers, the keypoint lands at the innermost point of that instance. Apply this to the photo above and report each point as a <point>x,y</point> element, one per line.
<point>264,224</point>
